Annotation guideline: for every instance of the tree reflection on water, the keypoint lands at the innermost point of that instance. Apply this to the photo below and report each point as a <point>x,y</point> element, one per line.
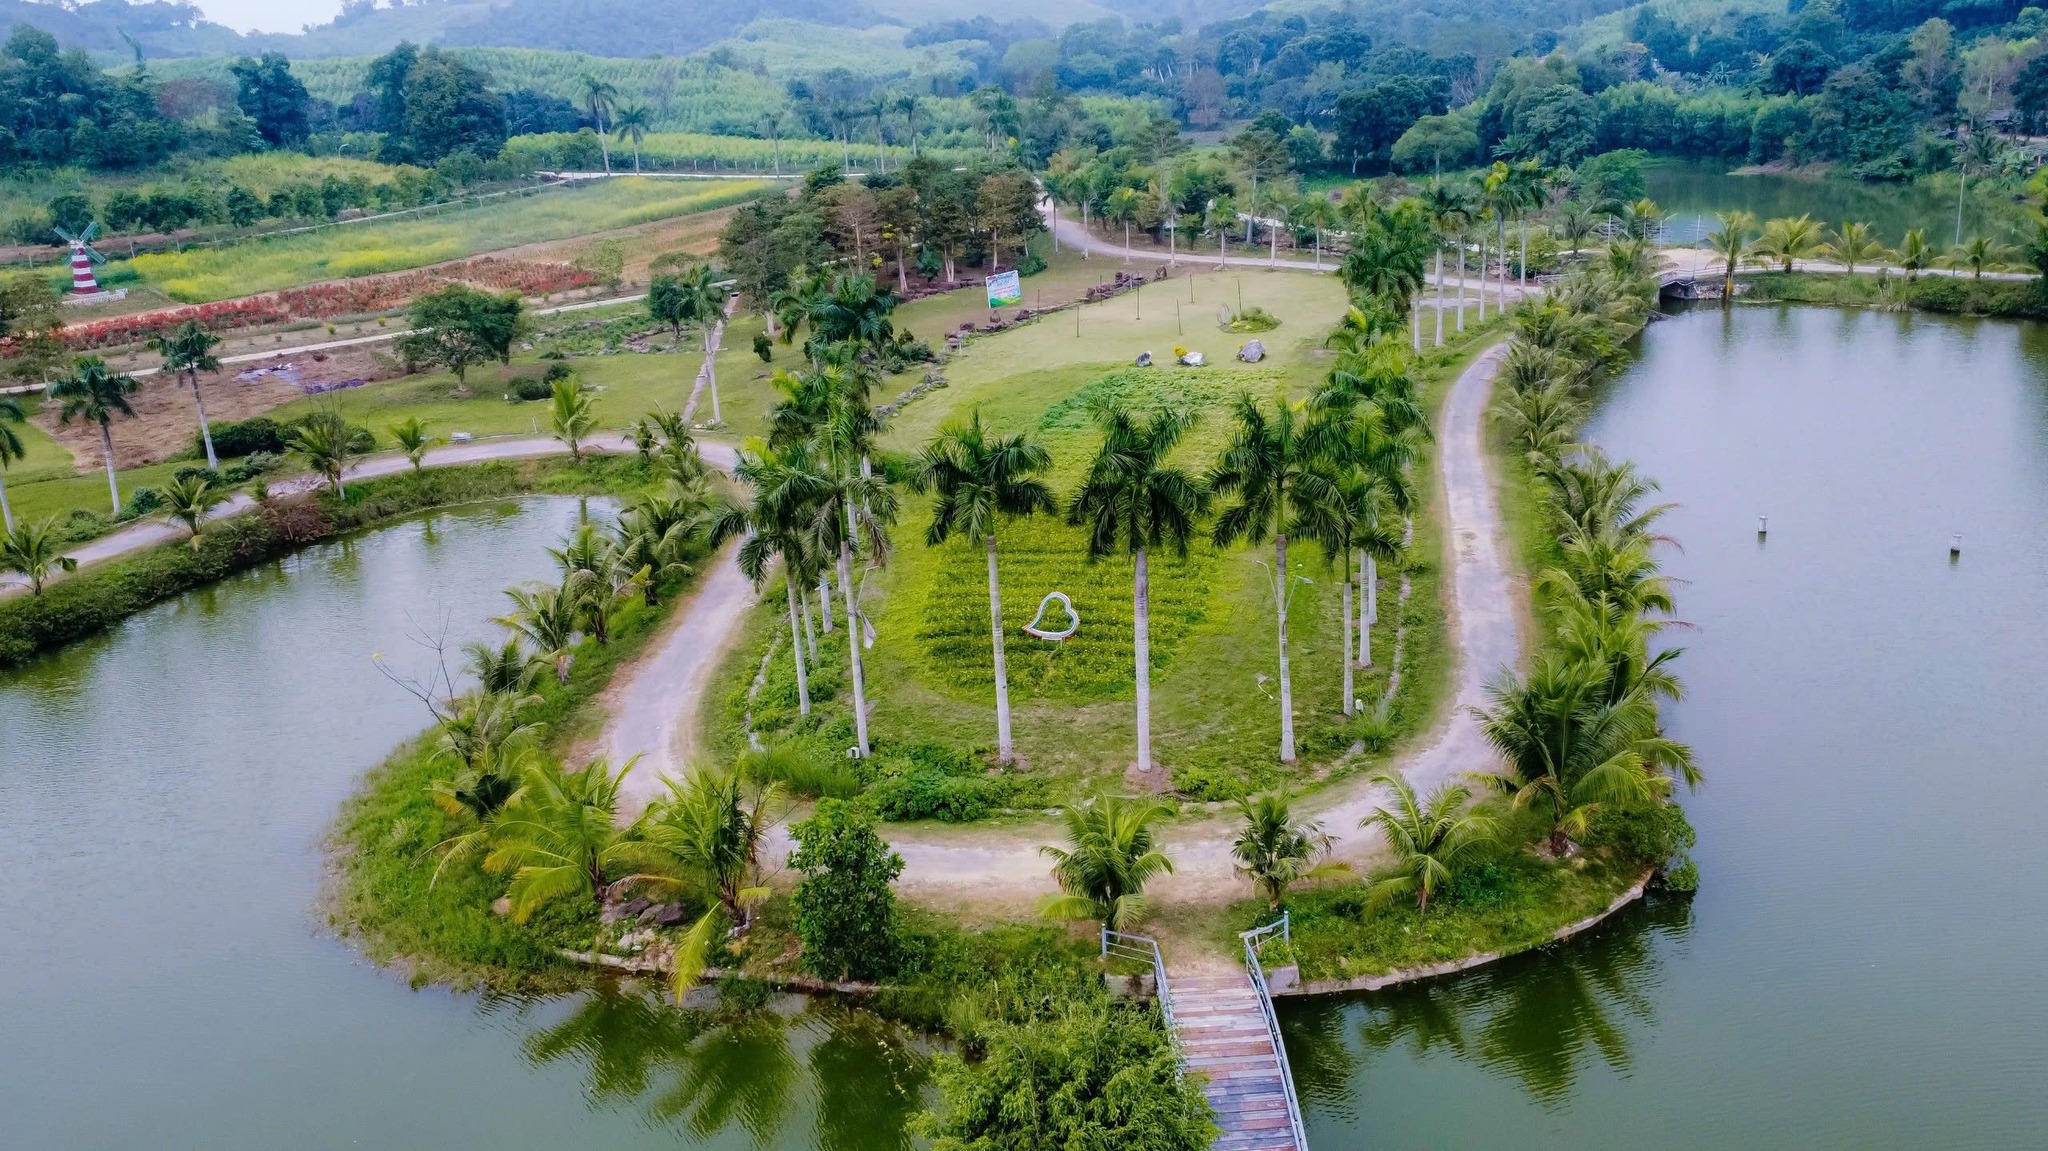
<point>1539,1019</point>
<point>786,1073</point>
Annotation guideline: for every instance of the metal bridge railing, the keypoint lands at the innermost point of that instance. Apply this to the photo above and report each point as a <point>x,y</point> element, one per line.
<point>1144,949</point>
<point>1253,940</point>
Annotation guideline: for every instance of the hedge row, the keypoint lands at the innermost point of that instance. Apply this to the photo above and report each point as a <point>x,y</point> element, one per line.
<point>98,598</point>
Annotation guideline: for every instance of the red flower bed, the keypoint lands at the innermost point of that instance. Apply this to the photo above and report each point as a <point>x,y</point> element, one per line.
<point>326,301</point>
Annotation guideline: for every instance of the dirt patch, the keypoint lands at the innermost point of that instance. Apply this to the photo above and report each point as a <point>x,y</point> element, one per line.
<point>166,419</point>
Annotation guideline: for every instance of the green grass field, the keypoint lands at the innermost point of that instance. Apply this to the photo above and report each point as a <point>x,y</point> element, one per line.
<point>1215,717</point>
<point>205,274</point>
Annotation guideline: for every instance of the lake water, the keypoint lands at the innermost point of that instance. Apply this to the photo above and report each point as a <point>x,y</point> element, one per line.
<point>165,979</point>
<point>1691,195</point>
<point>1862,966</point>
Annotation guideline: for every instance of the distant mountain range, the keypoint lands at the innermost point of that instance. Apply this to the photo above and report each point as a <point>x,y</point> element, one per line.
<point>625,28</point>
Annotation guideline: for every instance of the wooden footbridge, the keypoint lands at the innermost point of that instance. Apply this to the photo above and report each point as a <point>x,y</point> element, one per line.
<point>1224,1027</point>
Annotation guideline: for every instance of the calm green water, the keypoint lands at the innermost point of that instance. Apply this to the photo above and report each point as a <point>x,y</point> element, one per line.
<point>164,978</point>
<point>1863,965</point>
<point>1691,195</point>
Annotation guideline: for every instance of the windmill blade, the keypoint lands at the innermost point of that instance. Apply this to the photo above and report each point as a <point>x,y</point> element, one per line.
<point>92,228</point>
<point>93,254</point>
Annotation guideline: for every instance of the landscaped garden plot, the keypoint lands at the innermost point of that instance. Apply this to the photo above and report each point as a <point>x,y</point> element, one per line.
<point>206,274</point>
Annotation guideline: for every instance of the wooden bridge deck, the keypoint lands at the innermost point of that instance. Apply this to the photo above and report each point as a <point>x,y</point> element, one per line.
<point>1223,1035</point>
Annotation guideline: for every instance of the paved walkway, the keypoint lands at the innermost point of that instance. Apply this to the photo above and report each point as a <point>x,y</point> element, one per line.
<point>1223,1035</point>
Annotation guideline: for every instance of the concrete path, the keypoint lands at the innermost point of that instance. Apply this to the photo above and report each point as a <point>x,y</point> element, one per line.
<point>1000,868</point>
<point>148,533</point>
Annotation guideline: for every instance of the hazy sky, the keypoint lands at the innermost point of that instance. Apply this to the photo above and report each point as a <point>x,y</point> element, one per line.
<point>269,15</point>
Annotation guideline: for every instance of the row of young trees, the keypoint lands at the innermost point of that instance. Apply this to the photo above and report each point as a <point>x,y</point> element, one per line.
<point>1782,242</point>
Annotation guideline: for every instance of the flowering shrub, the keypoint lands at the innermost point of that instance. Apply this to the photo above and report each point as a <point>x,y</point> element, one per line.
<point>354,297</point>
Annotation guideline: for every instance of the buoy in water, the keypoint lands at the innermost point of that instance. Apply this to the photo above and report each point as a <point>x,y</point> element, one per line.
<point>1955,545</point>
<point>1763,526</point>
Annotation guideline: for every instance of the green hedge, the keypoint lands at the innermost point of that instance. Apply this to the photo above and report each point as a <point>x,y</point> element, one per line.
<point>1943,295</point>
<point>98,598</point>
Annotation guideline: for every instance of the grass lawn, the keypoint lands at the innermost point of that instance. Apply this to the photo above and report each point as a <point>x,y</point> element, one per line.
<point>204,274</point>
<point>1215,711</point>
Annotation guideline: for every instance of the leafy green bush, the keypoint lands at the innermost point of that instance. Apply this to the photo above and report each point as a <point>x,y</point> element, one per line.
<point>1652,834</point>
<point>142,502</point>
<point>1253,319</point>
<point>927,794</point>
<point>845,911</point>
<point>526,389</point>
<point>234,438</point>
<point>190,471</point>
<point>801,772</point>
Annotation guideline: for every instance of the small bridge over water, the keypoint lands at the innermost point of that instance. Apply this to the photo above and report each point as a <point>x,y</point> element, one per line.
<point>1224,1027</point>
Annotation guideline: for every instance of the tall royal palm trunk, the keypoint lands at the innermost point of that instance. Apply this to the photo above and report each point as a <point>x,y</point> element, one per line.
<point>853,637</point>
<point>825,601</point>
<point>1482,275</point>
<point>796,648</point>
<point>6,512</point>
<point>1350,673</point>
<point>810,629</point>
<point>1461,285</point>
<point>1368,596</point>
<point>1439,295</point>
<point>711,333</point>
<point>107,449</point>
<point>1004,750</point>
<point>902,273</point>
<point>1524,269</point>
<point>205,429</point>
<point>1141,646</point>
<point>1286,676</point>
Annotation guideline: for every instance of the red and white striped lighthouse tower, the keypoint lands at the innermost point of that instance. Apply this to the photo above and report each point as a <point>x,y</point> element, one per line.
<point>83,281</point>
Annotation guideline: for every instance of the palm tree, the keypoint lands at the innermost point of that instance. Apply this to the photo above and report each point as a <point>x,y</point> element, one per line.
<point>600,97</point>
<point>96,394</point>
<point>1542,420</point>
<point>1731,243</point>
<point>1112,852</point>
<point>1275,849</point>
<point>327,442</point>
<point>33,551</point>
<point>559,836</point>
<point>1575,222</point>
<point>907,104</point>
<point>573,414</point>
<point>1133,500</point>
<point>187,350</point>
<point>11,449</point>
<point>703,302</point>
<point>545,615</point>
<point>631,123</point>
<point>1568,747</point>
<point>1979,253</point>
<point>1786,240</point>
<point>978,481</point>
<point>1316,213</point>
<point>661,530</point>
<point>188,500</point>
<point>1430,839</point>
<point>1979,154</point>
<point>1123,205</point>
<point>1914,253</point>
<point>1449,213</point>
<point>1852,244</point>
<point>498,670</point>
<point>776,526</point>
<point>412,438</point>
<point>704,839</point>
<point>879,107</point>
<point>1270,467</point>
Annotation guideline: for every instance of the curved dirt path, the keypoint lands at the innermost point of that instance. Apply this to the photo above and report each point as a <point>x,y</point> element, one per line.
<point>1000,868</point>
<point>155,531</point>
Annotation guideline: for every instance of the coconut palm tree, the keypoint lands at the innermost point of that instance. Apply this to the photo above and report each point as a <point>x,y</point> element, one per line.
<point>33,551</point>
<point>1593,496</point>
<point>1852,244</point>
<point>1271,467</point>
<point>96,394</point>
<point>11,449</point>
<point>188,500</point>
<point>1785,240</point>
<point>572,413</point>
<point>978,481</point>
<point>559,836</point>
<point>411,437</point>
<point>704,838</point>
<point>1112,852</point>
<point>1276,849</point>
<point>662,529</point>
<point>597,577</point>
<point>1915,254</point>
<point>1122,205</point>
<point>1980,253</point>
<point>545,615</point>
<point>599,98</point>
<point>1134,501</point>
<point>1731,243</point>
<point>1575,223</point>
<point>1315,212</point>
<point>1569,748</point>
<point>703,303</point>
<point>187,350</point>
<point>498,670</point>
<point>487,740</point>
<point>328,443</point>
<point>1430,840</point>
<point>631,123</point>
<point>1541,421</point>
